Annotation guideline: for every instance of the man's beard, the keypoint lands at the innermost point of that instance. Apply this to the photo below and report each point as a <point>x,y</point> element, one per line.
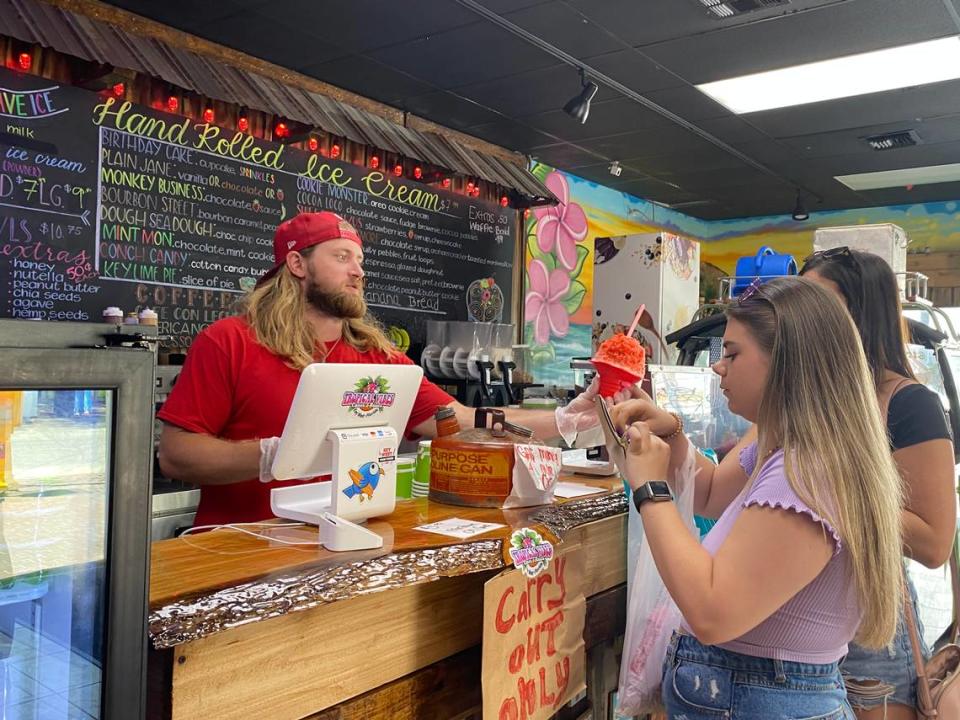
<point>336,304</point>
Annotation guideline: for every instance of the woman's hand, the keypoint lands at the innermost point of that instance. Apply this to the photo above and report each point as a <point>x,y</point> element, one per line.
<point>647,456</point>
<point>634,392</point>
<point>642,409</point>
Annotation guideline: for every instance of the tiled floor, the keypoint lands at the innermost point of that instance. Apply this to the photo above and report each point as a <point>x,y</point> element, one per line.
<point>43,680</point>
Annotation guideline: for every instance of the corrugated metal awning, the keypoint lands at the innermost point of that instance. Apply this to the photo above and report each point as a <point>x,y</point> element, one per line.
<point>93,40</point>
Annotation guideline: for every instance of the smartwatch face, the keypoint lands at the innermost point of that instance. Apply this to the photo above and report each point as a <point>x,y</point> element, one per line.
<point>659,488</point>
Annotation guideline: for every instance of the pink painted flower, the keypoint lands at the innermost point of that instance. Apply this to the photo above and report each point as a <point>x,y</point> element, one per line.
<point>561,226</point>
<point>544,302</point>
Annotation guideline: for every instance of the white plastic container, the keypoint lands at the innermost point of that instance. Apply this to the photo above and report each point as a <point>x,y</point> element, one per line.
<point>887,240</point>
<point>660,270</point>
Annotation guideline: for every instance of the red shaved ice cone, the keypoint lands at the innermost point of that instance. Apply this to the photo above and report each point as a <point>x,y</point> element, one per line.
<point>614,378</point>
<point>620,362</point>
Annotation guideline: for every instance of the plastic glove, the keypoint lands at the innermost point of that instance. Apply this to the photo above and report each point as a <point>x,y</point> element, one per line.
<point>268,451</point>
<point>579,414</point>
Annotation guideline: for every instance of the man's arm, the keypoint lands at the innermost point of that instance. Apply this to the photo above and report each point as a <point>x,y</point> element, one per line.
<point>542,422</point>
<point>207,460</point>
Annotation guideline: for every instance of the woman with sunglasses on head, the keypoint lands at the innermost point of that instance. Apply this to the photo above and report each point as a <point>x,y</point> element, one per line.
<point>806,547</point>
<point>882,684</point>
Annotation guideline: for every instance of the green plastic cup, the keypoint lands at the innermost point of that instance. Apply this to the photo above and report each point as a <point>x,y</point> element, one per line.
<point>421,481</point>
<point>406,468</point>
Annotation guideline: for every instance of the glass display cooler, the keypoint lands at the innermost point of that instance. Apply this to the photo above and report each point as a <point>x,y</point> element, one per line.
<point>76,406</point>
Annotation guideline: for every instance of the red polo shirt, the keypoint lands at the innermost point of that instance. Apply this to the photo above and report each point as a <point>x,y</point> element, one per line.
<point>234,388</point>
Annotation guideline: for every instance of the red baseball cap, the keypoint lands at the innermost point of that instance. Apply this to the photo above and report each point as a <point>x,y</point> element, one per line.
<point>306,230</point>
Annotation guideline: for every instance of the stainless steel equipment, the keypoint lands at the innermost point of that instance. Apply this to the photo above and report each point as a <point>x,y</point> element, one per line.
<point>173,510</point>
<point>174,503</point>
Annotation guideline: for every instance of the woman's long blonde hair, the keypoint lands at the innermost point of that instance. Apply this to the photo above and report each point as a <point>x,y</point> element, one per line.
<point>820,406</point>
<point>275,310</point>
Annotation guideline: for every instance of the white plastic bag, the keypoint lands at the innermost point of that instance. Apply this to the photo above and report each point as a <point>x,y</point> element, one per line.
<point>652,615</point>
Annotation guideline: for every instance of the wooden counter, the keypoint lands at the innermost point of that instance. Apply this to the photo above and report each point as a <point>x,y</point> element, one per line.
<point>253,660</point>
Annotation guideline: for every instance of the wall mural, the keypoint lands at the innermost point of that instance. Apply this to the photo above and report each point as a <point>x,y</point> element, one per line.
<point>931,227</point>
<point>559,277</point>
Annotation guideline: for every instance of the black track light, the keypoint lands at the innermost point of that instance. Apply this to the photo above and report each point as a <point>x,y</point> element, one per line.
<point>579,107</point>
<point>800,211</point>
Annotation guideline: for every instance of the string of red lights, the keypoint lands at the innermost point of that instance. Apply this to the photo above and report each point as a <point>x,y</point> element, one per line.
<point>282,129</point>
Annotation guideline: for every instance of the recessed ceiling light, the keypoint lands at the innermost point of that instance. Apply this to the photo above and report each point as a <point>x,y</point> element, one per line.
<point>898,178</point>
<point>889,69</point>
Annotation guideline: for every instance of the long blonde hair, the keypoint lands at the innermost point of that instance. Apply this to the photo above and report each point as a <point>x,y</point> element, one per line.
<point>820,407</point>
<point>276,311</point>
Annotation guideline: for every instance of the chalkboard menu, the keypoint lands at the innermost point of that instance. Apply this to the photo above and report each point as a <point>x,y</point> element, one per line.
<point>103,203</point>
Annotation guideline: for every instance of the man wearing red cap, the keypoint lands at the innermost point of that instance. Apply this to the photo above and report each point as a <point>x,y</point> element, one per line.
<point>230,402</point>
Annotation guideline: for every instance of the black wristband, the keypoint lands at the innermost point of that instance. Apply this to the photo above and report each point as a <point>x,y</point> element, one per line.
<point>655,490</point>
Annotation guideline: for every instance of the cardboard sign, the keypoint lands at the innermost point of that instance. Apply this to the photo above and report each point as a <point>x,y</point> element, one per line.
<point>533,652</point>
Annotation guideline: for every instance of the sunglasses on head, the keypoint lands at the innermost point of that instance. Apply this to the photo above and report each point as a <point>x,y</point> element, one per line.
<point>749,291</point>
<point>838,252</point>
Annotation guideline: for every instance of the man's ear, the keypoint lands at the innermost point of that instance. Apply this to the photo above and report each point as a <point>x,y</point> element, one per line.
<point>296,264</point>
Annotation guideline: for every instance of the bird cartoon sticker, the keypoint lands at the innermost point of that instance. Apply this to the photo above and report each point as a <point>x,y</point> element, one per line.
<point>365,480</point>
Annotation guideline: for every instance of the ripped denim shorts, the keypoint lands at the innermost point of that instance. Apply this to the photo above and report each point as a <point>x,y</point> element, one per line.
<point>704,682</point>
<point>877,678</point>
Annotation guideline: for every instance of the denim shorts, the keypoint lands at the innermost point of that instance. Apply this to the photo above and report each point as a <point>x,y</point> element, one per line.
<point>704,682</point>
<point>876,678</point>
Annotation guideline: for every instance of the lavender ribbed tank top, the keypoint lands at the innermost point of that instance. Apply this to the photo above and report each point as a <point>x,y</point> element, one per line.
<point>816,624</point>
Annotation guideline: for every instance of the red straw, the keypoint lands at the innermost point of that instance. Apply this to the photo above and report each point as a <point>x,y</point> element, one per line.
<point>636,319</point>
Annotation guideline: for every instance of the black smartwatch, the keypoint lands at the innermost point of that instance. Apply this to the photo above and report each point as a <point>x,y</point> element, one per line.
<point>655,490</point>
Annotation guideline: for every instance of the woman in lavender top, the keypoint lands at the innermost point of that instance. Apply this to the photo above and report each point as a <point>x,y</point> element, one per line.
<point>807,546</point>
